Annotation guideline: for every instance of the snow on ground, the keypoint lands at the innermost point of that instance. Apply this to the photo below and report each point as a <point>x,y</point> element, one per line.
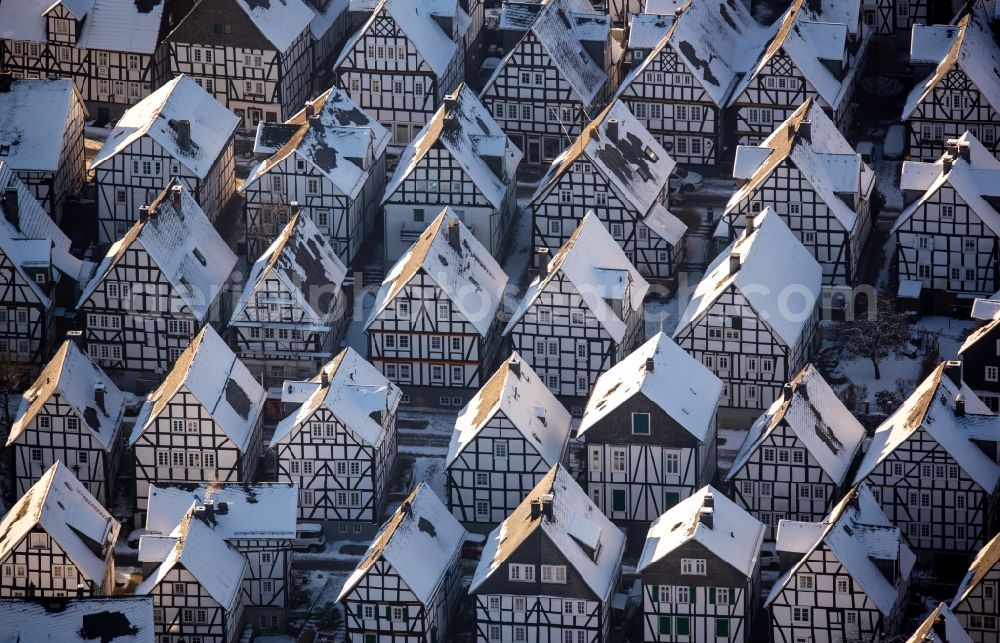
<point>661,316</point>
<point>345,551</point>
<point>887,182</point>
<point>716,187</point>
<point>519,255</point>
<point>322,588</point>
<point>355,337</point>
<point>728,442</point>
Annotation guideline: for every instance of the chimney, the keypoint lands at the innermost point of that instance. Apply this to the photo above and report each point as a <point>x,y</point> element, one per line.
<point>547,501</point>
<point>449,102</point>
<point>543,262</point>
<point>650,364</point>
<point>294,209</point>
<point>751,219</point>
<point>143,213</point>
<point>734,263</point>
<point>99,397</point>
<point>222,509</point>
<point>706,516</point>
<point>940,630</point>
<point>206,511</point>
<point>310,111</point>
<point>953,369</point>
<point>612,129</point>
<point>6,78</point>
<point>324,378</point>
<point>453,238</point>
<point>951,146</point>
<point>406,508</point>
<point>536,509</point>
<point>514,366</point>
<point>11,206</point>
<point>709,501</point>
<point>786,392</point>
<point>805,130</point>
<point>947,161</point>
<point>183,133</point>
<point>960,406</point>
<point>965,151</point>
<point>175,197</point>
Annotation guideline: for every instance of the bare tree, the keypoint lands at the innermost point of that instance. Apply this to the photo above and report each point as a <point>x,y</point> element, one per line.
<point>13,379</point>
<point>876,337</point>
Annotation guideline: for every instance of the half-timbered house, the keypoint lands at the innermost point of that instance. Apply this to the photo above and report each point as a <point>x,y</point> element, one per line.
<point>462,159</point>
<point>948,234</point>
<point>434,328</point>
<point>891,17</point>
<point>78,620</point>
<point>330,28</point>
<point>403,60</point>
<point>940,626</point>
<point>975,605</point>
<point>253,57</point>
<point>292,310</point>
<point>555,79</point>
<point>619,172</point>
<point>509,435</point>
<point>650,431</point>
<point>843,579</point>
<point>682,89</point>
<point>645,31</point>
<point>339,446</point>
<point>550,570</point>
<point>961,92</point>
<point>927,471</point>
<point>582,314</point>
<point>808,174</point>
<point>817,52</point>
<point>202,424</point>
<point>408,584</point>
<point>795,459</point>
<point>154,289</point>
<point>328,158</point>
<point>980,355</point>
<point>700,571</point>
<point>41,138</point>
<point>105,47</point>
<point>57,540</point>
<point>178,133</point>
<point>73,412</point>
<point>196,590</point>
<point>257,520</point>
<point>753,319</point>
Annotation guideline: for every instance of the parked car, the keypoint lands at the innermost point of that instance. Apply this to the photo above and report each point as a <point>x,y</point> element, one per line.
<point>676,195</point>
<point>309,537</point>
<point>686,179</point>
<point>895,142</point>
<point>134,536</point>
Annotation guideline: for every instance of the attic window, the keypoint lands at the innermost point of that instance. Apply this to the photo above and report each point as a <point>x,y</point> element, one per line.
<point>200,257</point>
<point>4,150</point>
<point>650,154</point>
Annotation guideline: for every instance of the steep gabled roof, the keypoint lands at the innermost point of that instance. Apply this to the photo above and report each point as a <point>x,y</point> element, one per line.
<point>577,529</point>
<point>467,274</point>
<point>468,131</point>
<point>216,377</point>
<point>979,334</point>
<point>156,116</point>
<point>646,30</point>
<point>280,22</point>
<point>931,407</point>
<point>986,560</point>
<point>597,266</point>
<point>516,391</point>
<point>772,261</point>
<point>817,417</point>
<point>264,510</point>
<point>734,536</point>
<point>421,540</point>
<point>73,376</point>
<point>824,157</point>
<point>61,505</point>
<point>217,567</point>
<point>856,532</point>
<point>972,49</point>
<point>302,260</point>
<point>678,383</point>
<point>356,393</point>
<point>122,619</point>
<point>183,244</point>
<point>33,114</point>
<point>122,25</point>
<point>940,626</point>
<point>341,141</point>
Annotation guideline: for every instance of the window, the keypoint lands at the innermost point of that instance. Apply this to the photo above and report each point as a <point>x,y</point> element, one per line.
<point>842,585</point>
<point>693,566</point>
<point>722,627</point>
<point>180,589</point>
<point>553,573</point>
<point>544,315</point>
<point>618,460</point>
<point>640,423</point>
<point>520,604</point>
<point>500,449</point>
<point>805,582</point>
<point>521,573</point>
<point>992,374</point>
<point>38,540</point>
<point>801,616</point>
<point>397,613</point>
<point>947,211</point>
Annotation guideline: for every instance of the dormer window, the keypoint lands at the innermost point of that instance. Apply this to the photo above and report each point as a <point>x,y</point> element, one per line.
<point>199,256</point>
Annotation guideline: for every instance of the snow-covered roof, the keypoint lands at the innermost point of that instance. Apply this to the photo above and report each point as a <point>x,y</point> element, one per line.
<point>735,536</point>
<point>857,533</point>
<point>280,22</point>
<point>986,561</point>
<point>817,417</point>
<point>516,391</point>
<point>182,243</point>
<point>823,156</point>
<point>576,530</point>
<point>931,43</point>
<point>629,157</point>
<point>265,510</point>
<point>324,20</point>
<point>31,113</point>
<point>986,309</point>
<point>121,619</point>
<point>468,131</point>
<point>341,141</point>
<point>940,626</point>
<point>420,541</point>
<point>34,223</point>
<point>646,30</point>
<point>464,271</point>
<point>158,115</point>
<point>217,567</point>
<point>663,7</point>
<point>216,377</point>
<point>63,507</point>
<point>73,376</point>
<point>303,261</point>
<point>678,383</point>
<point>976,179</point>
<point>931,408</point>
<point>972,50</point>
<point>356,393</point>
<point>599,270</point>
<point>774,269</point>
<point>978,335</point>
<point>132,26</point>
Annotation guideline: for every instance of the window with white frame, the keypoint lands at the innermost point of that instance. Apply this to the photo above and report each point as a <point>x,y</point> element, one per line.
<point>693,566</point>
<point>553,573</point>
